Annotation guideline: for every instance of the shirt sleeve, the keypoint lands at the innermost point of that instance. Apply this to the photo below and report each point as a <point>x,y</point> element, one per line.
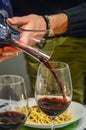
<point>77,21</point>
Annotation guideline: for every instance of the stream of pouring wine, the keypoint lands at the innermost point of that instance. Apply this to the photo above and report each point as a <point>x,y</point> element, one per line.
<point>31,51</point>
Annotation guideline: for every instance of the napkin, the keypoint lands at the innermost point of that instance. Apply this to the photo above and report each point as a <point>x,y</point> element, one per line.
<point>68,127</point>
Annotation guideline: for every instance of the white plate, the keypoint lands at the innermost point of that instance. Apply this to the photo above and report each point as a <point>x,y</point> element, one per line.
<point>75,108</point>
<point>82,122</point>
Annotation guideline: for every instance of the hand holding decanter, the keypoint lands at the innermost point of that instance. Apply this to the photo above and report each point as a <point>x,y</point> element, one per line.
<point>36,46</point>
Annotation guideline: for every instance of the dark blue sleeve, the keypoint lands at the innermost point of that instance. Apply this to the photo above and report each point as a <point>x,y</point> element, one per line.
<point>77,21</point>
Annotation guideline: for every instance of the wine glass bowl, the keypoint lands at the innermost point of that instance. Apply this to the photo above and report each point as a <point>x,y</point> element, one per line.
<point>13,102</point>
<point>53,92</point>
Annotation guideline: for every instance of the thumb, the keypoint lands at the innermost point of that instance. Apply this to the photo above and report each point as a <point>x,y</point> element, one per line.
<point>16,21</point>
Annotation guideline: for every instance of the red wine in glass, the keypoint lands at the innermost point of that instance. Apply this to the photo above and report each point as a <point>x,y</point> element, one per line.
<point>11,120</point>
<point>53,106</point>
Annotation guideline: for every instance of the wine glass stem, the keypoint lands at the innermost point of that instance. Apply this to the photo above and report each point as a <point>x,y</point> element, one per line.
<point>53,122</point>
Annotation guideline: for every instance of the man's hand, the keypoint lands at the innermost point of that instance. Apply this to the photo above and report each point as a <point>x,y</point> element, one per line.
<point>29,22</point>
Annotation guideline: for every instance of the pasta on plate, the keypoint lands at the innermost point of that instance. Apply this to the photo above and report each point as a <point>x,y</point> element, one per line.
<point>37,119</point>
<point>36,116</point>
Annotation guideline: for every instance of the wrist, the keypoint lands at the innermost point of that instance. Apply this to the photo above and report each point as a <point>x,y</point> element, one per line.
<point>59,23</point>
<point>47,22</point>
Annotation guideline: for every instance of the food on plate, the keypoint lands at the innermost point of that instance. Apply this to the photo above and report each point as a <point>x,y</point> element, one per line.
<point>36,116</point>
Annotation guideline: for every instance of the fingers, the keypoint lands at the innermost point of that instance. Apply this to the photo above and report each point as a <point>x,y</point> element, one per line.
<point>8,52</point>
<point>9,48</point>
<point>7,56</point>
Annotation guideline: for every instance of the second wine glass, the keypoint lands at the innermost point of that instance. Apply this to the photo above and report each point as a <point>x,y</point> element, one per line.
<point>13,102</point>
<point>53,92</point>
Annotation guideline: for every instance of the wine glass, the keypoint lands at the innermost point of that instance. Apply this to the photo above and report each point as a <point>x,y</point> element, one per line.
<point>53,91</point>
<point>13,102</point>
